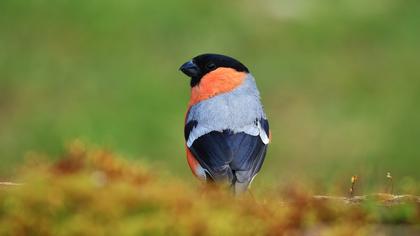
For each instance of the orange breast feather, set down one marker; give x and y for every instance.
(221, 80)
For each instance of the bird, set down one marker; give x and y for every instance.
(226, 129)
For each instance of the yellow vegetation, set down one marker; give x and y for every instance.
(95, 192)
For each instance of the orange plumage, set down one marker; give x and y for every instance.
(221, 80)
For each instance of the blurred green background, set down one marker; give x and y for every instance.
(340, 80)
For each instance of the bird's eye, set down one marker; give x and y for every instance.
(211, 66)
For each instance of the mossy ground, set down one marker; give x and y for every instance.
(96, 192)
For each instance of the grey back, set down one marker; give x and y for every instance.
(239, 111)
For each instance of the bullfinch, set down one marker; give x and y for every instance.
(226, 130)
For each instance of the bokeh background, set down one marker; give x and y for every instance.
(340, 81)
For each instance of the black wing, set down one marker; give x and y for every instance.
(232, 157)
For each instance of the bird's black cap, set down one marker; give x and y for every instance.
(205, 63)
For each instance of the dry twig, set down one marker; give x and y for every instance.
(10, 184)
(383, 198)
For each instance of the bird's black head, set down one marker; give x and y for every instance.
(205, 63)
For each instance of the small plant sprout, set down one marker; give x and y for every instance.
(390, 183)
(354, 179)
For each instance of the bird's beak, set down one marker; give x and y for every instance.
(190, 69)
